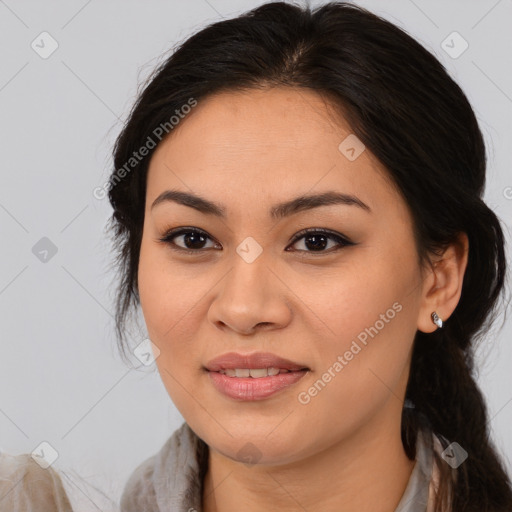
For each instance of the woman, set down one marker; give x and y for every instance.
(271, 118)
(298, 211)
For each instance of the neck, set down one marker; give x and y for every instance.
(368, 470)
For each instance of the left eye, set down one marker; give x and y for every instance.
(317, 239)
(193, 240)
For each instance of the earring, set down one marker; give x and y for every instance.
(437, 320)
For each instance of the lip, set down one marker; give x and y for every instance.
(233, 360)
(250, 389)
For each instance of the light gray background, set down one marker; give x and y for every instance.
(61, 379)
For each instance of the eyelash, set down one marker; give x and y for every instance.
(173, 233)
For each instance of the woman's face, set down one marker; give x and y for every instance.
(347, 313)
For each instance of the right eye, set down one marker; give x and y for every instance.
(193, 239)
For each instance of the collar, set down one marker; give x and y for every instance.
(172, 479)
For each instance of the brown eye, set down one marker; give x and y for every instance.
(317, 240)
(193, 240)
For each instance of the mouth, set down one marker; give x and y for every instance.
(253, 377)
(255, 373)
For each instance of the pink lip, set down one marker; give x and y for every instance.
(249, 388)
(234, 360)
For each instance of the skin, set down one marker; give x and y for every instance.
(248, 151)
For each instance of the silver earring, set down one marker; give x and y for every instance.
(437, 320)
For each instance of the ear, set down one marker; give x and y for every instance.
(442, 286)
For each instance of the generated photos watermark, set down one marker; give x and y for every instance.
(137, 156)
(304, 397)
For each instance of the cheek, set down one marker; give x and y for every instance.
(167, 314)
(165, 297)
(342, 303)
(171, 304)
(369, 322)
(361, 370)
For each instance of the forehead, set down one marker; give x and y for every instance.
(278, 142)
(254, 119)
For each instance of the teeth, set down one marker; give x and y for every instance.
(255, 373)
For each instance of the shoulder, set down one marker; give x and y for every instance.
(25, 485)
(138, 493)
(173, 472)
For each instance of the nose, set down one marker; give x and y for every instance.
(250, 297)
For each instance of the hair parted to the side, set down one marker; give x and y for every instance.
(406, 109)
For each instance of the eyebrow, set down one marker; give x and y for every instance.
(278, 211)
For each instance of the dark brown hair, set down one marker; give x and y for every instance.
(403, 105)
